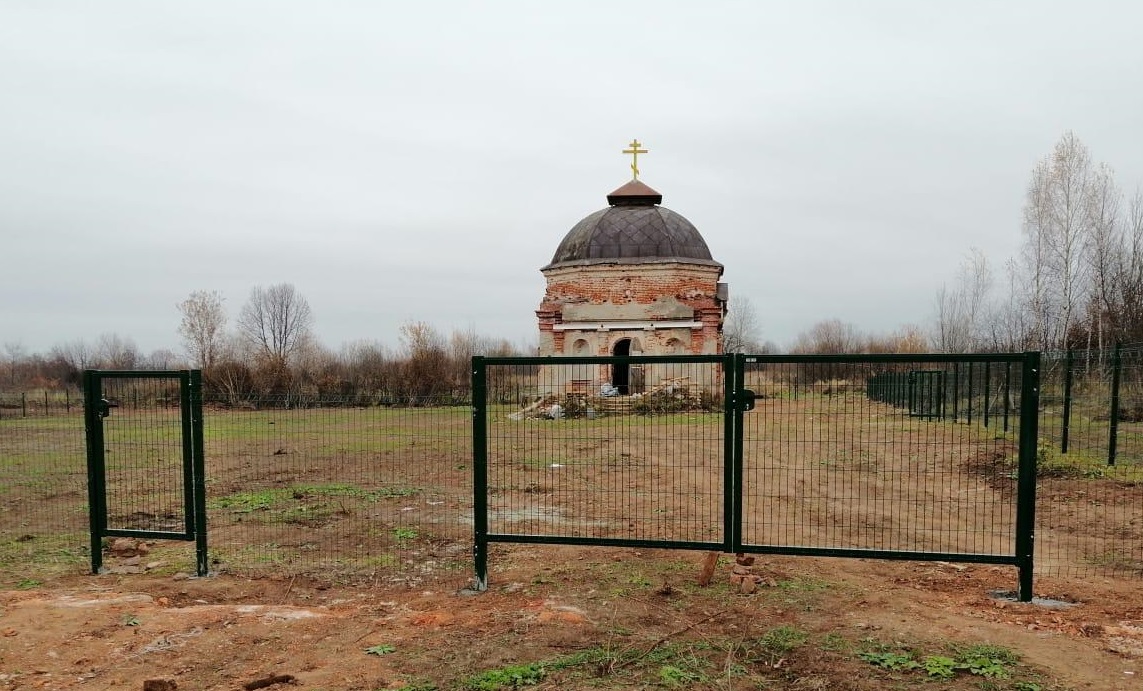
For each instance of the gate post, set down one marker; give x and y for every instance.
(198, 469)
(733, 381)
(96, 497)
(1026, 472)
(479, 473)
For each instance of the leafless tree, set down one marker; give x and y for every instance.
(830, 337)
(202, 327)
(1057, 228)
(116, 352)
(14, 350)
(1105, 254)
(741, 331)
(962, 309)
(276, 322)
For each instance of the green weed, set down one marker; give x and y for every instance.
(511, 677)
(382, 649)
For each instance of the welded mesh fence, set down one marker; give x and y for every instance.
(144, 455)
(43, 484)
(856, 454)
(341, 489)
(1090, 508)
(608, 451)
(384, 487)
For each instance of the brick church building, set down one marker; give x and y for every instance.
(634, 278)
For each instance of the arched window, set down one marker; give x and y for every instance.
(580, 347)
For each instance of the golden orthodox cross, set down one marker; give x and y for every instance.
(635, 151)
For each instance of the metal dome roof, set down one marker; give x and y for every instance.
(634, 230)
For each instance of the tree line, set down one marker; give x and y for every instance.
(1077, 281)
(271, 355)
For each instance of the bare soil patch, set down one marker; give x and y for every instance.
(563, 617)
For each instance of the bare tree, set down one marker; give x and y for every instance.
(15, 355)
(1057, 229)
(116, 352)
(830, 337)
(1131, 272)
(276, 322)
(1105, 254)
(961, 310)
(741, 332)
(202, 327)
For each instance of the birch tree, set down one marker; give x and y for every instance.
(202, 325)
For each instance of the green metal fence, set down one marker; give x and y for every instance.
(816, 467)
(382, 489)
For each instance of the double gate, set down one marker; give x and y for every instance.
(769, 454)
(145, 461)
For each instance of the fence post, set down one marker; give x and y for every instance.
(479, 473)
(198, 461)
(1113, 432)
(24, 405)
(1026, 473)
(1068, 361)
(96, 495)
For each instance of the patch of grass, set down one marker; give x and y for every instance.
(783, 639)
(1074, 465)
(405, 534)
(381, 649)
(510, 677)
(978, 660)
(28, 584)
(304, 504)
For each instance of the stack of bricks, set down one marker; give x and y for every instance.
(742, 575)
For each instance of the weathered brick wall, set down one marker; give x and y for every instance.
(633, 291)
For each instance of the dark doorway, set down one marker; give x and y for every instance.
(621, 372)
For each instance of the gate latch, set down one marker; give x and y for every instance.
(745, 400)
(105, 407)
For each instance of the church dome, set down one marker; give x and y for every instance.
(634, 229)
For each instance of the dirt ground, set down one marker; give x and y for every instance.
(566, 617)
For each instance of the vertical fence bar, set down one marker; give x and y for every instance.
(987, 391)
(67, 401)
(1026, 487)
(956, 392)
(24, 405)
(96, 498)
(1007, 393)
(1067, 425)
(199, 471)
(1113, 431)
(968, 405)
(479, 473)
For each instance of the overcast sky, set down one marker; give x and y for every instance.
(401, 161)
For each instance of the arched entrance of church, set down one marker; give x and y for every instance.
(621, 372)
